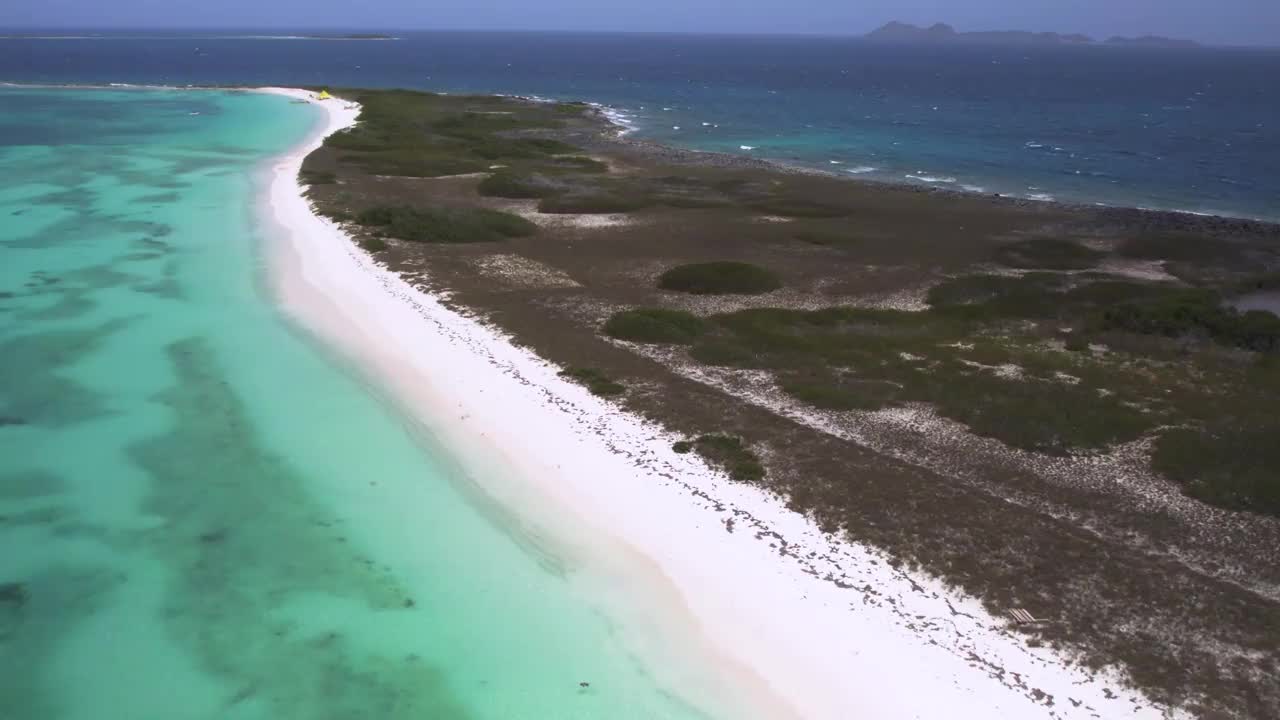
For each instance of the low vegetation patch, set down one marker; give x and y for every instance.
(1197, 314)
(1184, 247)
(720, 278)
(415, 134)
(1048, 254)
(513, 186)
(317, 177)
(595, 380)
(975, 360)
(860, 359)
(600, 203)
(655, 325)
(578, 163)
(571, 108)
(836, 390)
(1226, 463)
(445, 225)
(1203, 260)
(798, 208)
(727, 452)
(1259, 283)
(421, 163)
(1039, 295)
(825, 239)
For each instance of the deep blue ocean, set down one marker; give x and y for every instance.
(1197, 130)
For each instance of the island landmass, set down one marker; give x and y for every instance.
(1067, 412)
(941, 33)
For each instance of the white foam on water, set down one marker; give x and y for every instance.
(920, 176)
(624, 120)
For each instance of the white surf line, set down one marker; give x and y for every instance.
(828, 626)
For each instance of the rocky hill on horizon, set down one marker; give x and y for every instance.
(939, 33)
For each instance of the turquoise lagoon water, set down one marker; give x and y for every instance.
(201, 514)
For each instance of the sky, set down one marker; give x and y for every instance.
(1233, 22)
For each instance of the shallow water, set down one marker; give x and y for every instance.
(203, 515)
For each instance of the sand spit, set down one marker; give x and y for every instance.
(774, 615)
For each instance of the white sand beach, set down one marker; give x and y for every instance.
(753, 606)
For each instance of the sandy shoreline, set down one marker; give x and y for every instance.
(771, 614)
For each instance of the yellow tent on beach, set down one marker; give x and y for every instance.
(324, 95)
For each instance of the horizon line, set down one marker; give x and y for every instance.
(68, 32)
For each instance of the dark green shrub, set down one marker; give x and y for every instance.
(1045, 417)
(1197, 313)
(415, 135)
(578, 163)
(571, 108)
(417, 163)
(720, 278)
(317, 177)
(595, 380)
(500, 148)
(1260, 283)
(513, 186)
(655, 325)
(1037, 295)
(1048, 253)
(724, 353)
(360, 137)
(823, 389)
(1184, 247)
(689, 201)
(729, 452)
(798, 207)
(1075, 342)
(374, 244)
(825, 239)
(445, 225)
(1031, 295)
(1233, 465)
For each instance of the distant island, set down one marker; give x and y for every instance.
(941, 33)
(351, 36)
(343, 36)
(1153, 41)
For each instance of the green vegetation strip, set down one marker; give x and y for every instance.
(445, 225)
(1048, 254)
(317, 177)
(595, 380)
(728, 452)
(973, 357)
(416, 134)
(720, 278)
(513, 186)
(656, 325)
